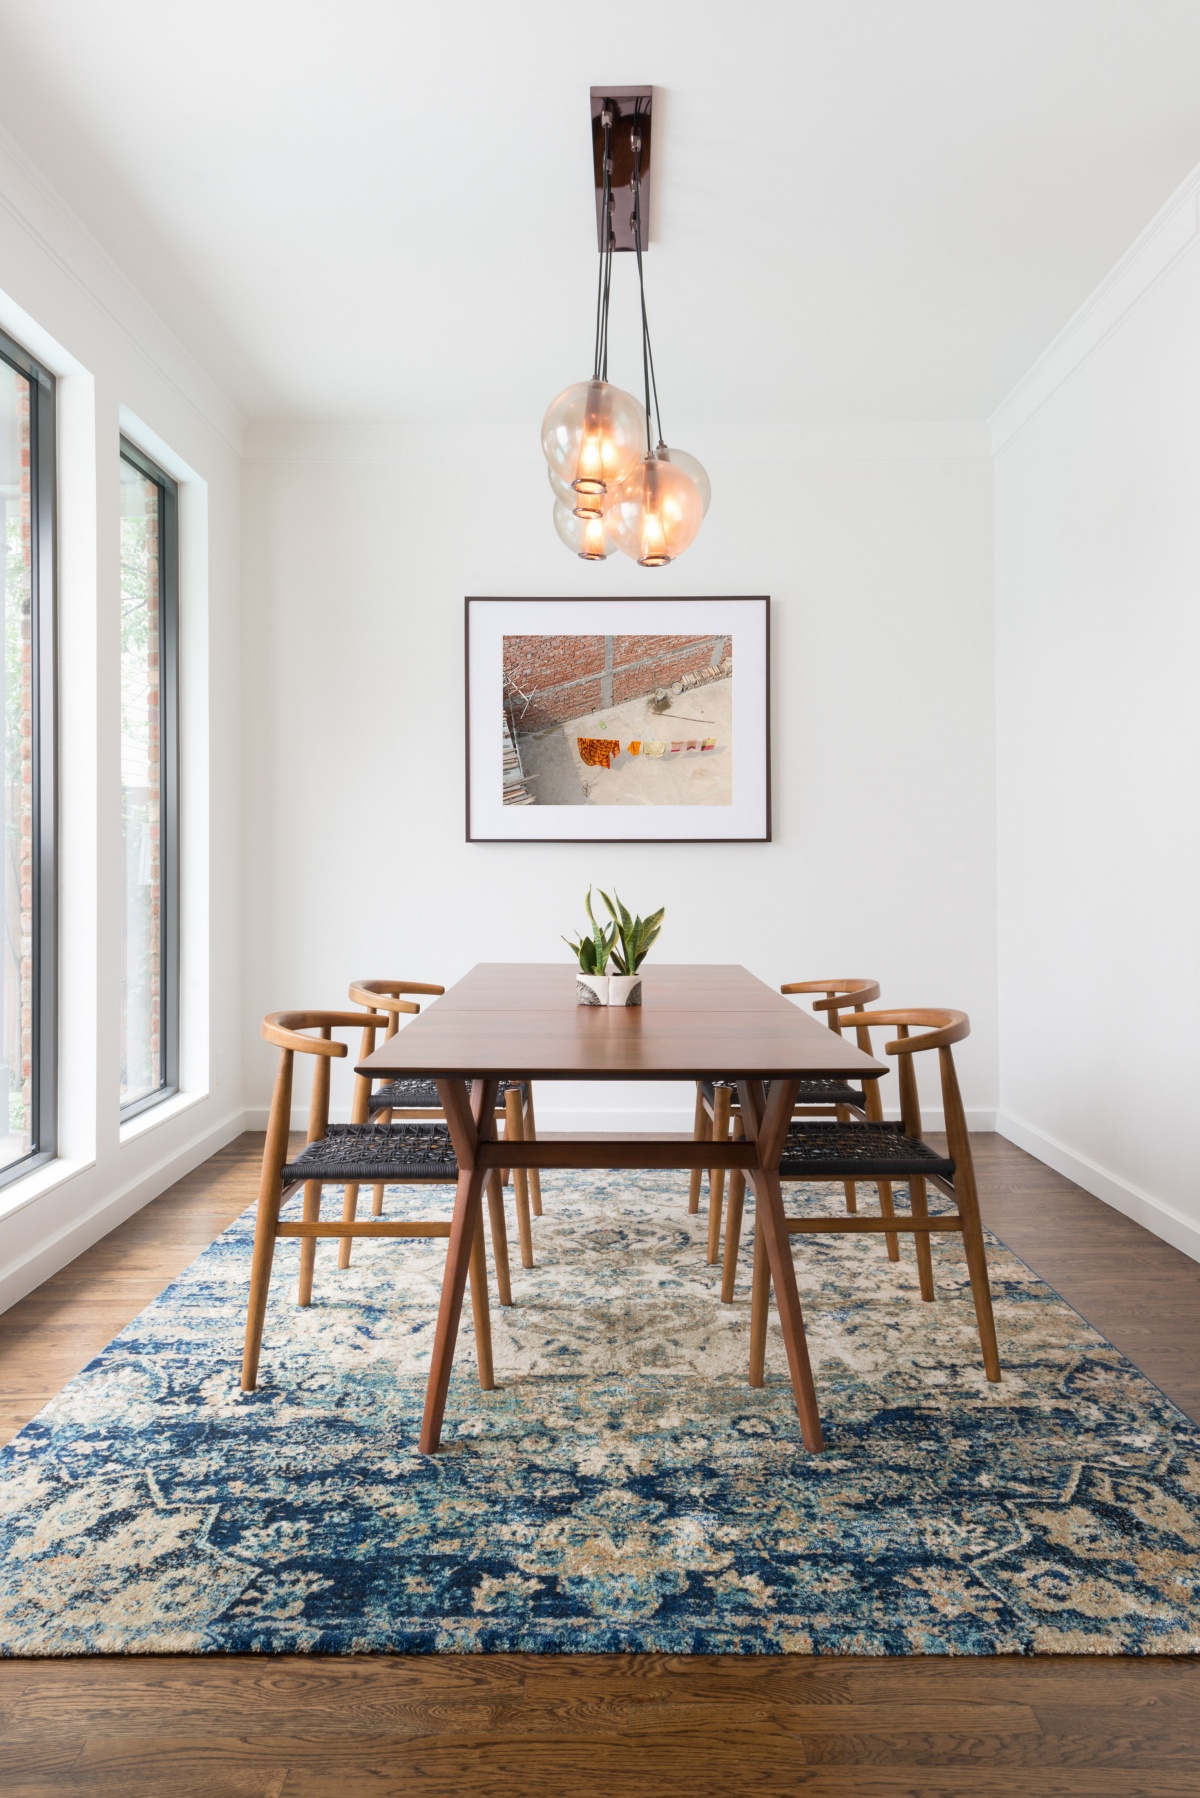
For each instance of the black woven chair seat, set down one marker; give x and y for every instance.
(820, 1151)
(812, 1092)
(372, 1152)
(419, 1095)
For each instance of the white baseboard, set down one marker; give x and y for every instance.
(62, 1246)
(1153, 1214)
(601, 1119)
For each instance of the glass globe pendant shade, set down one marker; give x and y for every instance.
(681, 459)
(585, 537)
(593, 434)
(654, 513)
(584, 505)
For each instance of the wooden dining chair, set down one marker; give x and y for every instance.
(718, 1114)
(344, 1154)
(418, 1100)
(879, 1151)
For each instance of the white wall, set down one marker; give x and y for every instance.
(1098, 580)
(876, 546)
(120, 368)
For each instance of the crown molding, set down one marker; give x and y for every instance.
(1168, 238)
(61, 236)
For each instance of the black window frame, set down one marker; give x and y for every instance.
(43, 600)
(168, 776)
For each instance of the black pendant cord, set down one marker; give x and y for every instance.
(648, 376)
(606, 266)
(604, 280)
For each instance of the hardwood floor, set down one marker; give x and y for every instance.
(474, 1726)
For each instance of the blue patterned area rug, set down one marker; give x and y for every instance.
(624, 1488)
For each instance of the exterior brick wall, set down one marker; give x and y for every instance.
(549, 680)
(541, 662)
(633, 682)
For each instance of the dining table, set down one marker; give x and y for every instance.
(522, 1021)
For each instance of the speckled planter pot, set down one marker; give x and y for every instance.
(591, 989)
(624, 989)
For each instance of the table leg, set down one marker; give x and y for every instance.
(722, 1101)
(701, 1132)
(766, 1120)
(514, 1132)
(480, 1307)
(495, 1193)
(535, 1178)
(469, 1126)
(760, 1306)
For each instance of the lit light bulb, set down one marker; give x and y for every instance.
(596, 542)
(654, 540)
(593, 434)
(585, 537)
(654, 513)
(584, 505)
(681, 459)
(589, 472)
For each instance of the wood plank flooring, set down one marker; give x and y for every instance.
(620, 1726)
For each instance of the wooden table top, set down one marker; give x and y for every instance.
(550, 986)
(521, 1020)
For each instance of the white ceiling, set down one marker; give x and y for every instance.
(864, 210)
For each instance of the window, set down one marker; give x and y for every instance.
(149, 784)
(27, 951)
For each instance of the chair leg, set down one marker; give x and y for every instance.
(381, 1118)
(976, 1253)
(733, 1233)
(916, 1193)
(513, 1133)
(349, 1212)
(535, 1178)
(477, 1275)
(888, 1209)
(308, 1244)
(843, 1117)
(760, 1300)
(260, 1280)
(701, 1132)
(722, 1100)
(495, 1199)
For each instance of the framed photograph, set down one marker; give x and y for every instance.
(618, 720)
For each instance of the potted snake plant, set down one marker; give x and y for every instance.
(633, 937)
(592, 952)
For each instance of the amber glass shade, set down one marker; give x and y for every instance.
(681, 459)
(586, 537)
(654, 513)
(592, 434)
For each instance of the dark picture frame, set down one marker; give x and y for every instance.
(501, 798)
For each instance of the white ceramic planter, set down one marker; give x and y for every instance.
(624, 989)
(591, 989)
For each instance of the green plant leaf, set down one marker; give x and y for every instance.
(627, 938)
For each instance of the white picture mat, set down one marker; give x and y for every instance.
(489, 621)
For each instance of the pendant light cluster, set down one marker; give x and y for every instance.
(614, 487)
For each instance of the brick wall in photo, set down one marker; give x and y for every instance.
(549, 680)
